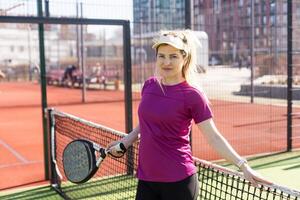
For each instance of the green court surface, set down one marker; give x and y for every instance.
(120, 187)
(43, 192)
(282, 168)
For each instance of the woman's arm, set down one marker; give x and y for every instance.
(221, 145)
(218, 142)
(128, 140)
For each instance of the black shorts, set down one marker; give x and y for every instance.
(186, 189)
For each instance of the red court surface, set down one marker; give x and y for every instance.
(250, 128)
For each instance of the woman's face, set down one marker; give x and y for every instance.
(170, 62)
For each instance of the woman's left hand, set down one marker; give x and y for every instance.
(253, 177)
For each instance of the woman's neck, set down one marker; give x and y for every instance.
(166, 81)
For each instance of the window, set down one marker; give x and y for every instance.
(94, 51)
(201, 19)
(257, 43)
(249, 21)
(217, 5)
(263, 8)
(298, 12)
(264, 42)
(272, 20)
(264, 20)
(285, 7)
(248, 11)
(273, 8)
(265, 30)
(257, 31)
(257, 18)
(284, 19)
(241, 3)
(111, 51)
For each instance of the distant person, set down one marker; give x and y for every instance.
(100, 75)
(2, 75)
(240, 63)
(34, 72)
(248, 61)
(10, 74)
(69, 75)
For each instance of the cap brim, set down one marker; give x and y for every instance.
(168, 43)
(172, 41)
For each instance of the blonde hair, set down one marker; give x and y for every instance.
(189, 52)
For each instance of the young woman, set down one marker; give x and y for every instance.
(170, 101)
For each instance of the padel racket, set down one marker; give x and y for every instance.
(80, 159)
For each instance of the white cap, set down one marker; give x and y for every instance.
(172, 40)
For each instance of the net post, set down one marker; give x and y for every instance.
(54, 177)
(51, 139)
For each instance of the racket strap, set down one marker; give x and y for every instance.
(102, 156)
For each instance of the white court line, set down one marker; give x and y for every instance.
(19, 156)
(19, 164)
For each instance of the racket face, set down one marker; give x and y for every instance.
(78, 161)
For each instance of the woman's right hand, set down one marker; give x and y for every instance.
(116, 149)
(253, 177)
(119, 147)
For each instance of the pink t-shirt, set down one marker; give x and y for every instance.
(165, 118)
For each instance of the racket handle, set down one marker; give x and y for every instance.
(121, 148)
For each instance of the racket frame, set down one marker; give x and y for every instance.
(94, 163)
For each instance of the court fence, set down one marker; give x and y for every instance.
(256, 40)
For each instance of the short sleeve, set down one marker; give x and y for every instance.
(198, 106)
(146, 84)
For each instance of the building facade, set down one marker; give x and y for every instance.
(228, 24)
(22, 57)
(153, 15)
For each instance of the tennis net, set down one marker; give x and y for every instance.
(220, 183)
(116, 177)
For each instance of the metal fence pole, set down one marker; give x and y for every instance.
(188, 14)
(189, 25)
(43, 87)
(82, 57)
(128, 91)
(252, 51)
(289, 73)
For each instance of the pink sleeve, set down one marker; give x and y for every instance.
(146, 84)
(199, 107)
